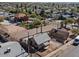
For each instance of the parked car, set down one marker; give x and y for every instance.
(76, 41)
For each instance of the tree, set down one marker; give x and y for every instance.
(33, 15)
(23, 24)
(17, 7)
(75, 31)
(29, 11)
(39, 17)
(77, 21)
(13, 11)
(36, 23)
(68, 21)
(42, 13)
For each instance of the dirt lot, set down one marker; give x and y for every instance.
(52, 46)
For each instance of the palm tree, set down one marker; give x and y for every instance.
(68, 21)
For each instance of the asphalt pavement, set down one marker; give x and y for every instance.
(73, 51)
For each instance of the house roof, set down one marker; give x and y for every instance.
(20, 15)
(5, 22)
(41, 38)
(60, 34)
(15, 49)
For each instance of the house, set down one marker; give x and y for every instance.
(48, 11)
(5, 14)
(60, 35)
(21, 17)
(38, 11)
(12, 49)
(1, 13)
(14, 33)
(66, 16)
(75, 26)
(40, 41)
(5, 22)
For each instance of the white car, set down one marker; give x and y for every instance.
(76, 41)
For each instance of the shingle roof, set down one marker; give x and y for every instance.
(59, 34)
(41, 38)
(20, 15)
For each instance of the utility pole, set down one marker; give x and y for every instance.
(36, 30)
(41, 27)
(29, 47)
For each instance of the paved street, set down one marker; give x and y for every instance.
(72, 51)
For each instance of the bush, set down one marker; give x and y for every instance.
(36, 22)
(1, 19)
(75, 31)
(25, 25)
(33, 15)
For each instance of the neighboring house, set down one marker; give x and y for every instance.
(5, 22)
(38, 11)
(5, 14)
(14, 33)
(60, 35)
(40, 41)
(12, 49)
(48, 11)
(49, 19)
(66, 16)
(75, 26)
(1, 13)
(21, 17)
(55, 16)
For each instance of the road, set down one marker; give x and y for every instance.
(72, 51)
